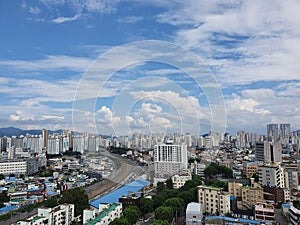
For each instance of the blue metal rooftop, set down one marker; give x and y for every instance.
(6, 209)
(114, 196)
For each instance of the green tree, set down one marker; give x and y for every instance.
(160, 222)
(146, 205)
(132, 214)
(164, 213)
(1, 176)
(211, 170)
(169, 183)
(160, 186)
(78, 197)
(177, 204)
(120, 221)
(157, 200)
(51, 202)
(187, 197)
(4, 197)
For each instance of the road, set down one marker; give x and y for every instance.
(124, 171)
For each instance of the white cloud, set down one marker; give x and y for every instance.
(65, 19)
(51, 62)
(130, 19)
(262, 35)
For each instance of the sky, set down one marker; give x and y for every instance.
(140, 66)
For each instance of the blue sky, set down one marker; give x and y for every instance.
(250, 50)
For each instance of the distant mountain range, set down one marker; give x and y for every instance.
(13, 131)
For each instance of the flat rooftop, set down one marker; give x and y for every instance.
(114, 196)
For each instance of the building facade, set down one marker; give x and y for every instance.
(194, 214)
(170, 159)
(213, 200)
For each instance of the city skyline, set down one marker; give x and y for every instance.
(249, 47)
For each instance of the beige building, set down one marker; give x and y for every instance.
(213, 200)
(247, 195)
(250, 168)
(179, 180)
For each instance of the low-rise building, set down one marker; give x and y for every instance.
(194, 214)
(213, 200)
(107, 214)
(250, 168)
(294, 215)
(264, 211)
(179, 180)
(62, 214)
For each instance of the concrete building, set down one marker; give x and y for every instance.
(213, 200)
(55, 145)
(107, 214)
(247, 195)
(264, 211)
(179, 180)
(170, 159)
(62, 215)
(269, 152)
(294, 215)
(250, 168)
(199, 169)
(194, 214)
(252, 194)
(27, 166)
(271, 176)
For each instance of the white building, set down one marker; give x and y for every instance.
(13, 167)
(179, 180)
(213, 200)
(107, 214)
(170, 159)
(271, 176)
(264, 211)
(194, 214)
(294, 215)
(55, 145)
(61, 214)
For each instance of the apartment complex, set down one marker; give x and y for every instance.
(170, 159)
(26, 166)
(61, 214)
(107, 214)
(250, 168)
(272, 175)
(213, 200)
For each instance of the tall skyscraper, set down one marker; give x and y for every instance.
(45, 138)
(285, 129)
(272, 130)
(170, 159)
(268, 152)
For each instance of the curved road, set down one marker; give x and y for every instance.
(124, 171)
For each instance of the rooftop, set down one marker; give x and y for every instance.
(114, 196)
(103, 214)
(210, 187)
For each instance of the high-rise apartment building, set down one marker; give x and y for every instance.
(272, 176)
(269, 152)
(170, 159)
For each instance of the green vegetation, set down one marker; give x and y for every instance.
(146, 205)
(51, 202)
(213, 169)
(78, 197)
(132, 214)
(164, 213)
(119, 150)
(160, 222)
(120, 221)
